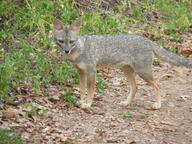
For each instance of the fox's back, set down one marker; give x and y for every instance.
(118, 48)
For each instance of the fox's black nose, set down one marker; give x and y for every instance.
(67, 51)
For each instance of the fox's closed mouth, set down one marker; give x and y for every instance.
(67, 51)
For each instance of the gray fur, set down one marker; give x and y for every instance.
(123, 49)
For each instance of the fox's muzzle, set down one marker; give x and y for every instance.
(67, 51)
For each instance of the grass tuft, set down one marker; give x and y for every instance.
(7, 138)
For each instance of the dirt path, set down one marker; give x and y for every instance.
(107, 121)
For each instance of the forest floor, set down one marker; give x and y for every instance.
(53, 122)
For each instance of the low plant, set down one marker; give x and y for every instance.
(68, 97)
(6, 137)
(100, 85)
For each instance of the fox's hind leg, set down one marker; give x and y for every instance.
(146, 74)
(157, 104)
(130, 74)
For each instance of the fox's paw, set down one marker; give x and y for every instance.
(156, 106)
(85, 105)
(124, 103)
(79, 103)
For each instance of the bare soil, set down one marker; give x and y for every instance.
(107, 122)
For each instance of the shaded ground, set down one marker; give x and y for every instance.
(107, 122)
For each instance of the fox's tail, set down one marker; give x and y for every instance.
(171, 57)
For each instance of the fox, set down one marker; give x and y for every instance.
(132, 54)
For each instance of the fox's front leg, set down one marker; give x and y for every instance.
(91, 80)
(82, 79)
(86, 77)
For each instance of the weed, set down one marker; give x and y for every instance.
(92, 23)
(68, 13)
(178, 14)
(69, 99)
(6, 73)
(129, 115)
(143, 116)
(100, 85)
(174, 49)
(7, 138)
(44, 113)
(137, 12)
(35, 111)
(64, 73)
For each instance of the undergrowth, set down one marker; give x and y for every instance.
(69, 99)
(7, 138)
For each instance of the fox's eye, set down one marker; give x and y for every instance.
(61, 41)
(71, 41)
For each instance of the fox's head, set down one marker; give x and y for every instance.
(66, 36)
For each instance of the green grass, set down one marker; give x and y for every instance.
(68, 97)
(128, 115)
(179, 15)
(35, 111)
(137, 116)
(7, 138)
(100, 85)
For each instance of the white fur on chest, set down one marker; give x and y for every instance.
(82, 65)
(74, 56)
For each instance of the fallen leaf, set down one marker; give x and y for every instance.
(10, 113)
(186, 52)
(168, 123)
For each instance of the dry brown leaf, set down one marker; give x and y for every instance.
(186, 52)
(167, 76)
(168, 123)
(10, 113)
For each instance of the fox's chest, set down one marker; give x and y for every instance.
(81, 65)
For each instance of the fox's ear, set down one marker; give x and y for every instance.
(75, 27)
(57, 25)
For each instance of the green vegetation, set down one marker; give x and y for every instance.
(28, 57)
(7, 138)
(100, 85)
(68, 97)
(128, 115)
(137, 116)
(35, 111)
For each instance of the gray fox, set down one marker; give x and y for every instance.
(132, 54)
